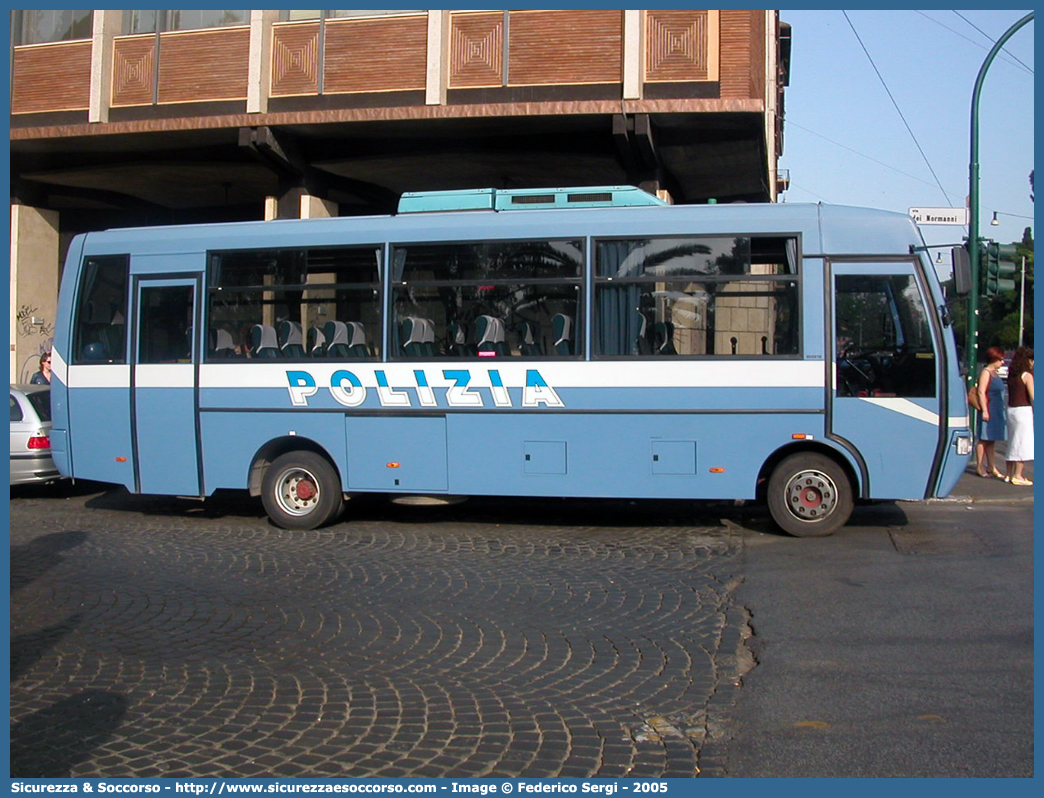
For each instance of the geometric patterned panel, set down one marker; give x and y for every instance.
(371, 55)
(476, 50)
(191, 72)
(52, 77)
(133, 69)
(565, 47)
(676, 46)
(295, 59)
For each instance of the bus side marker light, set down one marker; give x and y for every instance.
(717, 470)
(393, 465)
(801, 436)
(121, 459)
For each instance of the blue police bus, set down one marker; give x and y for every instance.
(587, 342)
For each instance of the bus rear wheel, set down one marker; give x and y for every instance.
(809, 495)
(300, 490)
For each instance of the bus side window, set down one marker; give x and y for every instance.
(99, 328)
(487, 299)
(298, 302)
(165, 331)
(883, 341)
(696, 296)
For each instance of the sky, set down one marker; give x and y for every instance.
(889, 126)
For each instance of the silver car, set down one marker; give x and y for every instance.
(30, 435)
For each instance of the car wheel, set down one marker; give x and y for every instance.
(301, 490)
(809, 495)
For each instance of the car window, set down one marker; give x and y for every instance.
(16, 409)
(41, 402)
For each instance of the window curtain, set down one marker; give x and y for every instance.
(617, 319)
(792, 256)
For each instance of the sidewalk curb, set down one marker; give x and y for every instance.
(975, 500)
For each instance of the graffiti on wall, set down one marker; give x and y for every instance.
(31, 324)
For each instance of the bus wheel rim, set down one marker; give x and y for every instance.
(811, 495)
(297, 492)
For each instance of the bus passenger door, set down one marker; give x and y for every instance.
(885, 394)
(165, 380)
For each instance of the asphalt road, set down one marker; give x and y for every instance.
(902, 647)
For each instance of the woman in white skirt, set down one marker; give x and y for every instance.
(1020, 415)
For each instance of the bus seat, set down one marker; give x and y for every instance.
(94, 351)
(291, 341)
(316, 343)
(114, 339)
(221, 344)
(483, 333)
(490, 333)
(263, 342)
(95, 317)
(501, 339)
(428, 338)
(357, 339)
(642, 339)
(98, 312)
(412, 333)
(528, 340)
(336, 334)
(562, 329)
(663, 338)
(457, 340)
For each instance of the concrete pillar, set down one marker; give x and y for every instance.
(34, 287)
(260, 66)
(285, 206)
(297, 204)
(317, 208)
(714, 45)
(437, 79)
(633, 54)
(107, 26)
(771, 100)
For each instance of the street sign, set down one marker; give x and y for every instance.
(940, 215)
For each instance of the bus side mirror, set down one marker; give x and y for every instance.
(961, 270)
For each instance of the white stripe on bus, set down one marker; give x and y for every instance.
(904, 407)
(165, 375)
(99, 376)
(609, 374)
(601, 374)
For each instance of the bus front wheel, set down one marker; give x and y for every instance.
(809, 495)
(300, 490)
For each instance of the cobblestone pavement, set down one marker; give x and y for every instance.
(156, 637)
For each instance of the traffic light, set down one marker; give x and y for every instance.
(998, 267)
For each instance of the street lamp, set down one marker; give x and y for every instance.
(973, 199)
(995, 222)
